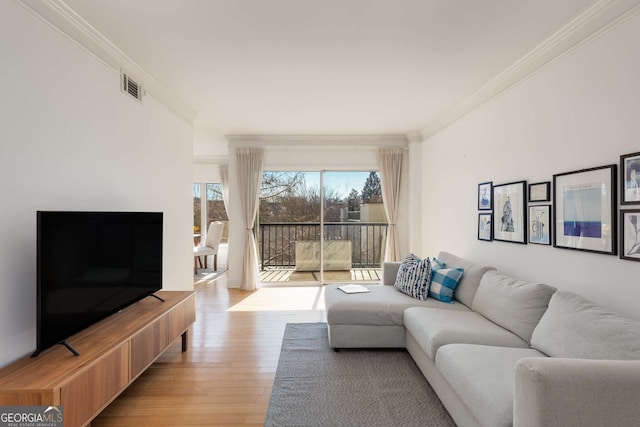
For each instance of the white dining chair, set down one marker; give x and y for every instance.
(209, 246)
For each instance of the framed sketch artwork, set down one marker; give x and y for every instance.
(630, 235)
(509, 221)
(630, 179)
(540, 224)
(484, 196)
(485, 227)
(583, 209)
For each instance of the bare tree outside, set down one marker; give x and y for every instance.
(333, 203)
(281, 184)
(214, 204)
(354, 200)
(216, 210)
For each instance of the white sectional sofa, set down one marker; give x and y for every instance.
(505, 352)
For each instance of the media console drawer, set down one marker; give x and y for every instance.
(113, 353)
(148, 344)
(91, 390)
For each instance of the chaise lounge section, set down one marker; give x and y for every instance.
(505, 352)
(376, 319)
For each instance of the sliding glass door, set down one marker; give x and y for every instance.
(306, 217)
(354, 227)
(289, 228)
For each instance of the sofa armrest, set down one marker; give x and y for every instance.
(576, 392)
(389, 272)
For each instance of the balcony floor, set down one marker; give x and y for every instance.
(283, 275)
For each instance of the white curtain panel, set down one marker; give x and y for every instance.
(249, 163)
(224, 183)
(390, 164)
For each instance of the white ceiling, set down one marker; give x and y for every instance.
(319, 67)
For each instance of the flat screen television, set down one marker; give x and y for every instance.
(91, 265)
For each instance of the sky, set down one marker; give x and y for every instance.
(342, 182)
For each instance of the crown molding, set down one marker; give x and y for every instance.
(415, 136)
(596, 20)
(65, 20)
(311, 141)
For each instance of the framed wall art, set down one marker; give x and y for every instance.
(540, 224)
(540, 192)
(630, 234)
(630, 179)
(485, 226)
(484, 196)
(509, 220)
(583, 210)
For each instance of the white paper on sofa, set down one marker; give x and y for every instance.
(353, 289)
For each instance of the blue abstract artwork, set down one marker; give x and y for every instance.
(583, 211)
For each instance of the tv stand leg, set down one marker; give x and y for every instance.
(157, 297)
(69, 347)
(185, 341)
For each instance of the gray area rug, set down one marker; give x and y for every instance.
(316, 386)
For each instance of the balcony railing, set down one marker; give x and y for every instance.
(278, 241)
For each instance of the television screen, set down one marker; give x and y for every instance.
(91, 265)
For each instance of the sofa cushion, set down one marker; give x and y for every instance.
(432, 328)
(390, 272)
(469, 282)
(382, 306)
(444, 282)
(577, 328)
(414, 276)
(483, 378)
(513, 304)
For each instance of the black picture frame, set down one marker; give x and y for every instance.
(540, 192)
(510, 215)
(485, 199)
(630, 179)
(584, 210)
(485, 226)
(540, 224)
(630, 234)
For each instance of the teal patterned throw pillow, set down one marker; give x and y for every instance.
(444, 281)
(414, 276)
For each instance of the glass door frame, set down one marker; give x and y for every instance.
(321, 279)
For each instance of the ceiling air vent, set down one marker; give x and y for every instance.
(131, 87)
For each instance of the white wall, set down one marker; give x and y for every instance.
(581, 111)
(72, 141)
(209, 152)
(208, 142)
(413, 166)
(316, 157)
(206, 172)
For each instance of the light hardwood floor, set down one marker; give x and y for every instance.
(225, 377)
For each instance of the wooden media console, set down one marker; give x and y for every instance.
(113, 353)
